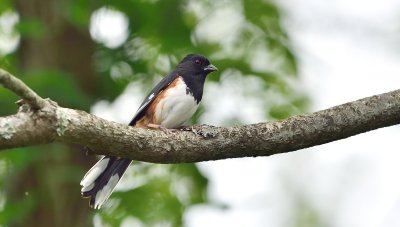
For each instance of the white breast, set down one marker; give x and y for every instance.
(177, 106)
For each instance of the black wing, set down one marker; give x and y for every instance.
(152, 95)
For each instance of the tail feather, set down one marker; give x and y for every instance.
(100, 181)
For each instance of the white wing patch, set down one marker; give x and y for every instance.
(149, 100)
(143, 106)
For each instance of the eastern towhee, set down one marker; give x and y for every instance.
(170, 103)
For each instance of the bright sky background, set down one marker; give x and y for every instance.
(347, 49)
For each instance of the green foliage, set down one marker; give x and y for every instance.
(32, 28)
(158, 31)
(14, 161)
(162, 198)
(7, 107)
(78, 12)
(169, 29)
(158, 22)
(56, 84)
(266, 16)
(17, 210)
(5, 5)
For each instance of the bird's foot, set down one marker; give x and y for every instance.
(162, 128)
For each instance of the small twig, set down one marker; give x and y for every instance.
(22, 90)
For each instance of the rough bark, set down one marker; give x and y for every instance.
(55, 123)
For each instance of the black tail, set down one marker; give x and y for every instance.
(100, 181)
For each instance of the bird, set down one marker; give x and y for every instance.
(167, 107)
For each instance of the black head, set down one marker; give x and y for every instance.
(194, 69)
(196, 65)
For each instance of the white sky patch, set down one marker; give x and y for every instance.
(230, 100)
(262, 61)
(348, 57)
(132, 222)
(9, 38)
(120, 70)
(163, 64)
(216, 28)
(109, 27)
(123, 108)
(346, 52)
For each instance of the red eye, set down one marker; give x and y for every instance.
(197, 61)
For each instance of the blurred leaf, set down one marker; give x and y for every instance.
(263, 14)
(266, 15)
(306, 215)
(196, 184)
(17, 160)
(8, 62)
(5, 5)
(160, 22)
(17, 211)
(78, 12)
(163, 198)
(7, 102)
(56, 84)
(301, 103)
(31, 28)
(280, 112)
(8, 98)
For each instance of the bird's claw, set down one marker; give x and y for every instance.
(162, 128)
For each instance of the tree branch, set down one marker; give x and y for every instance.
(54, 123)
(23, 91)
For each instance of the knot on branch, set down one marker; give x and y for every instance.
(205, 131)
